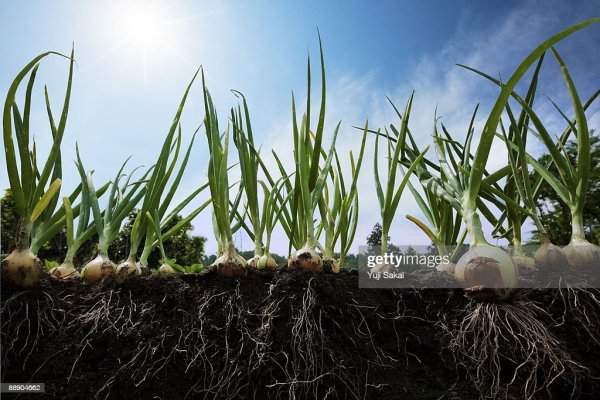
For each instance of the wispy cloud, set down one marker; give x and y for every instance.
(437, 82)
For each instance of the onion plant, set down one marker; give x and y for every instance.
(249, 163)
(121, 201)
(443, 225)
(151, 238)
(390, 199)
(519, 178)
(449, 182)
(548, 256)
(339, 215)
(85, 229)
(309, 197)
(571, 182)
(34, 191)
(271, 212)
(273, 202)
(153, 196)
(486, 266)
(67, 270)
(310, 177)
(157, 226)
(229, 264)
(164, 269)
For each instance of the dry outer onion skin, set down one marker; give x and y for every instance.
(97, 269)
(305, 259)
(490, 270)
(64, 271)
(22, 268)
(231, 267)
(583, 255)
(550, 257)
(266, 262)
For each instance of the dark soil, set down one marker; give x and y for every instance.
(275, 335)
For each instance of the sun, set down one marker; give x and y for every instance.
(143, 27)
(142, 34)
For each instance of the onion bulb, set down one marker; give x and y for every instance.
(22, 268)
(583, 255)
(64, 271)
(165, 270)
(266, 262)
(231, 266)
(487, 269)
(331, 264)
(97, 269)
(550, 257)
(253, 262)
(127, 270)
(523, 262)
(448, 267)
(306, 259)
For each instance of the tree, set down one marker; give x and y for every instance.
(185, 249)
(9, 223)
(374, 241)
(555, 214)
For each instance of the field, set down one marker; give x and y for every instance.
(279, 335)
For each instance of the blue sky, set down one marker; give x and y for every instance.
(131, 73)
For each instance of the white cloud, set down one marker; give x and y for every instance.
(437, 82)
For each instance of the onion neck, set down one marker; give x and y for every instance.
(103, 245)
(542, 232)
(132, 259)
(384, 241)
(473, 222)
(441, 248)
(578, 232)
(230, 249)
(70, 256)
(311, 241)
(24, 233)
(145, 255)
(258, 246)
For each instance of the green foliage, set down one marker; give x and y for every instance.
(48, 264)
(53, 250)
(555, 214)
(185, 269)
(185, 249)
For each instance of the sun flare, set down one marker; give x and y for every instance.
(143, 28)
(142, 34)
